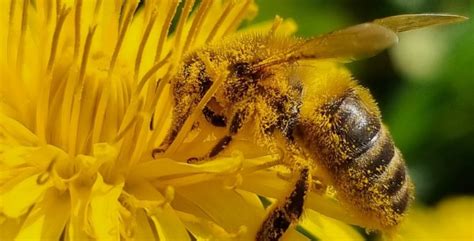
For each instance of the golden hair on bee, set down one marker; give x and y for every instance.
(293, 94)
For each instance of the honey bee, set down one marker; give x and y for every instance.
(293, 93)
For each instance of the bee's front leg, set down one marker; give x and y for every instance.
(238, 119)
(214, 118)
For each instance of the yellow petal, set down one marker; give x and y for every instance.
(23, 195)
(14, 156)
(104, 210)
(329, 207)
(328, 229)
(13, 132)
(204, 229)
(47, 219)
(168, 225)
(287, 27)
(143, 190)
(9, 227)
(269, 184)
(293, 235)
(266, 183)
(77, 228)
(143, 230)
(228, 208)
(168, 168)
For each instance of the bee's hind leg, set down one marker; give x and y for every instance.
(287, 211)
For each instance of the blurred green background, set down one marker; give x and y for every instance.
(424, 86)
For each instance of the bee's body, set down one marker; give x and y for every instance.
(269, 94)
(264, 85)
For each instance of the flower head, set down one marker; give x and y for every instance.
(84, 100)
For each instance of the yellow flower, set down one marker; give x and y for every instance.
(451, 220)
(84, 99)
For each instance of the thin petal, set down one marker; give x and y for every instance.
(287, 27)
(329, 207)
(15, 133)
(234, 211)
(22, 196)
(204, 229)
(292, 235)
(266, 183)
(77, 228)
(161, 214)
(104, 210)
(169, 169)
(269, 184)
(168, 225)
(9, 227)
(11, 156)
(143, 190)
(143, 230)
(47, 219)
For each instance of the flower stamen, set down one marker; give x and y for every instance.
(76, 108)
(98, 4)
(42, 110)
(128, 19)
(11, 22)
(165, 29)
(235, 23)
(128, 126)
(77, 28)
(182, 20)
(190, 120)
(21, 44)
(197, 24)
(217, 231)
(141, 47)
(104, 96)
(276, 24)
(217, 26)
(63, 12)
(233, 182)
(150, 73)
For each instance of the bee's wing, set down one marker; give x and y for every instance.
(367, 39)
(406, 22)
(355, 42)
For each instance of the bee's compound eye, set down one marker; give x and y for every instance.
(357, 125)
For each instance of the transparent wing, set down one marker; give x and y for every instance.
(406, 22)
(363, 40)
(355, 42)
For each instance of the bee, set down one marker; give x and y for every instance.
(293, 93)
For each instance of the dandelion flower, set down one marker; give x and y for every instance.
(84, 100)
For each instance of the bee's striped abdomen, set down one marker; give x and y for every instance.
(359, 156)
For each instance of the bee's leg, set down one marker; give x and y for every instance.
(286, 212)
(237, 121)
(213, 118)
